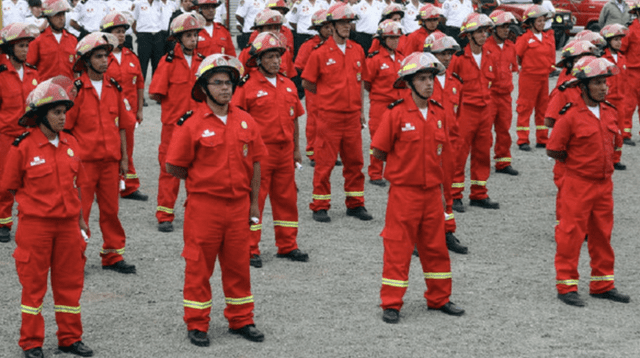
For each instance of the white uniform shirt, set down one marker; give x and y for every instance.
(409, 22)
(67, 25)
(14, 12)
(248, 9)
(168, 8)
(301, 14)
(148, 16)
(221, 14)
(122, 6)
(547, 5)
(456, 12)
(30, 19)
(90, 14)
(369, 15)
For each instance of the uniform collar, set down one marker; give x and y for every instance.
(334, 46)
(86, 81)
(263, 79)
(42, 140)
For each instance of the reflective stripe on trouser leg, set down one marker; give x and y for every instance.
(376, 166)
(501, 115)
(132, 183)
(168, 185)
(449, 222)
(542, 102)
(535, 97)
(475, 139)
(6, 199)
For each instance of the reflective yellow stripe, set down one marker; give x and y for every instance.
(5, 221)
(448, 216)
(165, 209)
(479, 182)
(31, 310)
(602, 278)
(238, 301)
(196, 305)
(394, 283)
(370, 151)
(457, 185)
(354, 193)
(437, 275)
(567, 282)
(321, 197)
(131, 176)
(541, 128)
(627, 130)
(255, 227)
(309, 152)
(112, 251)
(522, 128)
(503, 160)
(557, 222)
(67, 309)
(618, 149)
(285, 223)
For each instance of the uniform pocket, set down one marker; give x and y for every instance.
(191, 253)
(39, 171)
(21, 255)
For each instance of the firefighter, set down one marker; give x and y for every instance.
(413, 140)
(394, 12)
(124, 67)
(17, 80)
(272, 100)
(301, 20)
(170, 86)
(334, 72)
(536, 51)
(53, 52)
(217, 151)
(213, 38)
(43, 170)
(584, 138)
(631, 49)
(98, 122)
(429, 17)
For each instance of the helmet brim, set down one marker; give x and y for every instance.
(30, 116)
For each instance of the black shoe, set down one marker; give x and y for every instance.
(619, 166)
(415, 252)
(458, 205)
(450, 308)
(360, 212)
(312, 163)
(338, 163)
(507, 170)
(5, 234)
(485, 203)
(391, 315)
(321, 216)
(144, 103)
(541, 145)
(198, 338)
(612, 295)
(137, 195)
(525, 147)
(295, 255)
(249, 332)
(572, 299)
(629, 141)
(453, 244)
(34, 353)
(78, 349)
(255, 261)
(378, 182)
(121, 267)
(165, 226)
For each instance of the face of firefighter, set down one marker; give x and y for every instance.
(445, 57)
(20, 50)
(326, 30)
(615, 43)
(479, 37)
(598, 88)
(274, 29)
(208, 11)
(220, 87)
(423, 84)
(342, 28)
(56, 117)
(120, 33)
(396, 17)
(431, 24)
(186, 5)
(502, 32)
(58, 21)
(392, 42)
(99, 61)
(189, 40)
(270, 63)
(538, 24)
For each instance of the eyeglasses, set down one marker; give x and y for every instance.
(218, 83)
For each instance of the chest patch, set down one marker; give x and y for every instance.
(384, 66)
(37, 161)
(408, 127)
(261, 93)
(331, 62)
(207, 133)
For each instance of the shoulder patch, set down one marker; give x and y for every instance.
(31, 66)
(457, 77)
(436, 103)
(202, 57)
(564, 85)
(318, 45)
(3, 68)
(78, 84)
(373, 54)
(395, 103)
(565, 108)
(115, 83)
(243, 80)
(184, 117)
(20, 138)
(169, 57)
(68, 131)
(610, 104)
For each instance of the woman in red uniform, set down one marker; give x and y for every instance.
(43, 171)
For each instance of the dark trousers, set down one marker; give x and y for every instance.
(128, 42)
(364, 39)
(455, 33)
(298, 40)
(243, 41)
(150, 47)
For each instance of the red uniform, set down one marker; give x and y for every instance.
(96, 124)
(618, 94)
(219, 159)
(12, 104)
(537, 59)
(219, 42)
(128, 73)
(312, 110)
(338, 79)
(375, 45)
(286, 63)
(53, 58)
(48, 237)
(415, 41)
(587, 201)
(631, 49)
(474, 123)
(275, 110)
(382, 72)
(416, 149)
(173, 80)
(501, 109)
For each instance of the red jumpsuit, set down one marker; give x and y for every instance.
(501, 109)
(286, 63)
(275, 110)
(12, 105)
(312, 111)
(587, 200)
(474, 123)
(618, 93)
(382, 72)
(219, 159)
(338, 79)
(416, 148)
(631, 49)
(53, 58)
(537, 59)
(173, 80)
(45, 179)
(96, 124)
(220, 42)
(128, 73)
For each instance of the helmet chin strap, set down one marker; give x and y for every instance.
(338, 33)
(53, 27)
(413, 88)
(12, 54)
(588, 91)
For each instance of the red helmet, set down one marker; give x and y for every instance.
(18, 31)
(318, 19)
(341, 11)
(112, 20)
(634, 6)
(500, 18)
(593, 37)
(574, 49)
(475, 21)
(90, 43)
(216, 62)
(418, 62)
(185, 22)
(388, 28)
(429, 11)
(438, 42)
(264, 42)
(614, 30)
(591, 67)
(267, 17)
(391, 9)
(278, 5)
(534, 12)
(50, 92)
(54, 7)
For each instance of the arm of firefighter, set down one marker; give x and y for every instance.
(124, 161)
(176, 171)
(297, 157)
(363, 119)
(367, 86)
(254, 211)
(309, 86)
(560, 155)
(140, 105)
(378, 154)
